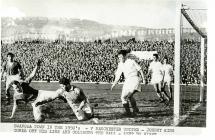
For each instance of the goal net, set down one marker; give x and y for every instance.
(190, 65)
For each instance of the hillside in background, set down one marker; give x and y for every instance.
(55, 26)
(13, 29)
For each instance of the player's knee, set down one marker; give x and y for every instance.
(124, 99)
(85, 116)
(81, 116)
(40, 118)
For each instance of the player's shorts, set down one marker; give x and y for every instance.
(131, 84)
(85, 113)
(167, 79)
(156, 79)
(11, 78)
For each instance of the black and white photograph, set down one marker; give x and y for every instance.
(108, 64)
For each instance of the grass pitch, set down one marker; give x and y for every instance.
(109, 109)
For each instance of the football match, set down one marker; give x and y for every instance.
(86, 70)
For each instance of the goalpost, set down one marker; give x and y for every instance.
(181, 12)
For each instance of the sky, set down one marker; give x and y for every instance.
(144, 13)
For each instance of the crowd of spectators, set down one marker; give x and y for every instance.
(97, 61)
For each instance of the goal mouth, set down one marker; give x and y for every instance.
(190, 63)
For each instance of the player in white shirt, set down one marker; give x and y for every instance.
(157, 77)
(168, 73)
(130, 69)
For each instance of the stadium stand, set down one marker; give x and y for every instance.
(96, 61)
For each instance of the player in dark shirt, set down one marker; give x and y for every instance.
(77, 100)
(12, 70)
(23, 92)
